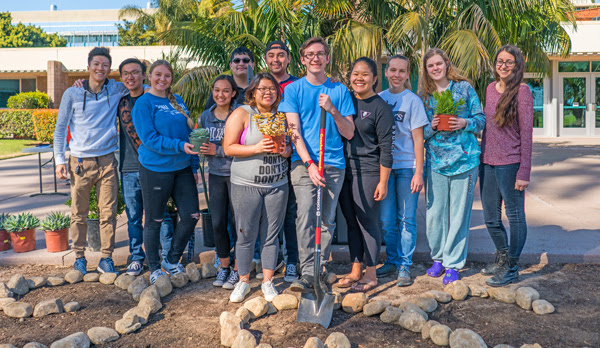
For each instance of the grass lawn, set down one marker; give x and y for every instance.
(10, 148)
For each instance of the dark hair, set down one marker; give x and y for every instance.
(99, 51)
(234, 88)
(404, 58)
(372, 66)
(132, 61)
(254, 84)
(507, 109)
(426, 84)
(314, 40)
(241, 51)
(170, 94)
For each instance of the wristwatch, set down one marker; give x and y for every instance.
(308, 163)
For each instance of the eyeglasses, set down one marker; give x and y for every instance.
(126, 74)
(508, 63)
(238, 60)
(311, 55)
(264, 90)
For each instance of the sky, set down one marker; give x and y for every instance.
(44, 5)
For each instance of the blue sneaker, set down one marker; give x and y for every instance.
(404, 276)
(80, 265)
(388, 269)
(154, 275)
(172, 268)
(106, 265)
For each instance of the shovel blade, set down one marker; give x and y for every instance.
(311, 311)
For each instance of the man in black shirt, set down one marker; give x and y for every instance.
(240, 59)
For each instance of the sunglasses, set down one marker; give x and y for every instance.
(238, 60)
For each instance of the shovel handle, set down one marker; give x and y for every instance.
(321, 165)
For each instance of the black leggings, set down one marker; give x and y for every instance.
(220, 209)
(157, 187)
(362, 216)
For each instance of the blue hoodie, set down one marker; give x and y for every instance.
(163, 131)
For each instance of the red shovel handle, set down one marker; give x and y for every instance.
(321, 165)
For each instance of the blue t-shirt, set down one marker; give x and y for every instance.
(163, 131)
(302, 98)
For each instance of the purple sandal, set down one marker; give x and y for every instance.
(451, 276)
(436, 270)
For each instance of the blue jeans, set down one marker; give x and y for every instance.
(398, 216)
(497, 185)
(134, 208)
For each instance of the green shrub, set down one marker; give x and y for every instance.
(18, 123)
(3, 218)
(21, 222)
(55, 221)
(29, 100)
(44, 121)
(94, 210)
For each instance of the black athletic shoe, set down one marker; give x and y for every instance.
(304, 284)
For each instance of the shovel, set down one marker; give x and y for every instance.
(317, 307)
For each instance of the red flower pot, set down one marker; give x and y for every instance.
(23, 241)
(4, 240)
(444, 125)
(57, 240)
(277, 140)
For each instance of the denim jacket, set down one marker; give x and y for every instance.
(453, 153)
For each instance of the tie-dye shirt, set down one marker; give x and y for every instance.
(453, 153)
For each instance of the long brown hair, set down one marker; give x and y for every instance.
(507, 109)
(427, 85)
(168, 91)
(251, 90)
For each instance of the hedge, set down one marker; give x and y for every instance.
(29, 100)
(44, 121)
(18, 123)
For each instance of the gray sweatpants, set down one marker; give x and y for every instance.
(259, 211)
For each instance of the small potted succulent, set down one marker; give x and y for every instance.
(198, 137)
(4, 236)
(446, 108)
(22, 231)
(272, 126)
(56, 229)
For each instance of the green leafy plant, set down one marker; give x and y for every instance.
(3, 218)
(94, 210)
(18, 123)
(55, 221)
(21, 222)
(199, 133)
(445, 104)
(29, 100)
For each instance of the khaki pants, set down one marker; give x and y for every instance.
(100, 172)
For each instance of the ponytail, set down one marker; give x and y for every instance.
(178, 107)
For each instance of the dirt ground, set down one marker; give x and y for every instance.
(190, 316)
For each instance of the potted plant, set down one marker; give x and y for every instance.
(272, 126)
(56, 229)
(4, 236)
(93, 222)
(446, 108)
(198, 137)
(22, 231)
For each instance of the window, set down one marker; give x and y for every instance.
(537, 90)
(28, 85)
(573, 66)
(8, 88)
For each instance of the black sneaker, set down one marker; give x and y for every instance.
(304, 284)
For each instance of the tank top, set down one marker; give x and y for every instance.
(261, 170)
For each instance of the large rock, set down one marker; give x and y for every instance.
(244, 339)
(91, 277)
(151, 291)
(5, 291)
(5, 301)
(258, 306)
(74, 276)
(285, 301)
(478, 290)
(427, 304)
(337, 340)
(163, 283)
(354, 302)
(76, 340)
(230, 327)
(391, 315)
(535, 345)
(539, 307)
(503, 346)
(208, 270)
(36, 282)
(425, 330)
(503, 295)
(440, 335)
(136, 288)
(72, 306)
(151, 304)
(411, 307)
(123, 281)
(179, 280)
(101, 335)
(314, 342)
(128, 325)
(525, 297)
(18, 310)
(7, 345)
(412, 321)
(440, 296)
(375, 307)
(458, 290)
(56, 281)
(18, 284)
(108, 278)
(264, 345)
(143, 314)
(48, 307)
(465, 338)
(34, 345)
(192, 272)
(244, 314)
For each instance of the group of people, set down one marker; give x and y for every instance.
(380, 151)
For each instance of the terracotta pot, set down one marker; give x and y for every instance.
(277, 139)
(444, 125)
(57, 240)
(23, 241)
(4, 240)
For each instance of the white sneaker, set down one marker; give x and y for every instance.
(154, 275)
(239, 293)
(269, 290)
(135, 268)
(232, 280)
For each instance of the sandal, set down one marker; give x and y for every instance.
(436, 270)
(363, 286)
(346, 282)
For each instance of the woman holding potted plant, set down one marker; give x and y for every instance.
(259, 187)
(224, 92)
(506, 149)
(167, 166)
(452, 162)
(368, 166)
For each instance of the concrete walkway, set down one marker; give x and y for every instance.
(562, 206)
